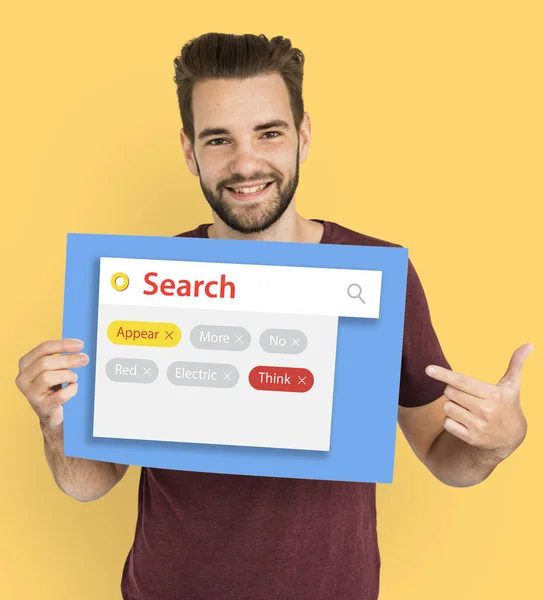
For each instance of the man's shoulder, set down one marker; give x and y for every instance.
(198, 232)
(334, 233)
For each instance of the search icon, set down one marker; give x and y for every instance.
(355, 291)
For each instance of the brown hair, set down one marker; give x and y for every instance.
(229, 56)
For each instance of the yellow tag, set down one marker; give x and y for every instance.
(143, 333)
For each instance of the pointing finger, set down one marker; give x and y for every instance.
(461, 382)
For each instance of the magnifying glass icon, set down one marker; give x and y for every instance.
(355, 291)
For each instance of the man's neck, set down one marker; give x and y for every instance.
(296, 229)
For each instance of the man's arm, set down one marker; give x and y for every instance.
(462, 436)
(448, 458)
(42, 372)
(80, 478)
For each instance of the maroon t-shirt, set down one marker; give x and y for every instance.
(205, 536)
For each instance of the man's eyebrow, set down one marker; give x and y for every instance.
(276, 123)
(212, 131)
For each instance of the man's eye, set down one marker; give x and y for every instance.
(222, 141)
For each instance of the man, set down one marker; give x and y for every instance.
(229, 537)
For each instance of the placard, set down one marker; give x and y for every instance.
(233, 356)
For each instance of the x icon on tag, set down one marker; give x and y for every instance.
(169, 335)
(147, 371)
(239, 338)
(302, 380)
(226, 376)
(294, 341)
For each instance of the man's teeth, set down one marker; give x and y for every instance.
(250, 190)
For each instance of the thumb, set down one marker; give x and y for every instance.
(512, 376)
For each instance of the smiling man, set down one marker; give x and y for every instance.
(231, 200)
(232, 537)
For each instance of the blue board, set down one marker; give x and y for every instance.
(367, 373)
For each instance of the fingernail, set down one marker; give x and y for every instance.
(431, 370)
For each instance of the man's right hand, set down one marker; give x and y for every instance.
(41, 374)
(43, 370)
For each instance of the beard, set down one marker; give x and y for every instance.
(252, 217)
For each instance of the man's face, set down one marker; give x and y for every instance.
(246, 150)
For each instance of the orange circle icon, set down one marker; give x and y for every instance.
(119, 281)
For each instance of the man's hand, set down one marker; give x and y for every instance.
(43, 371)
(484, 415)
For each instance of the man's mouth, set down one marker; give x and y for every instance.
(249, 192)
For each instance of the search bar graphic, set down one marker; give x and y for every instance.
(241, 287)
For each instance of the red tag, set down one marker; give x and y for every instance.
(281, 379)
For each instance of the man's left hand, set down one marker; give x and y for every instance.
(484, 415)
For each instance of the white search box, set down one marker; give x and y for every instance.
(240, 287)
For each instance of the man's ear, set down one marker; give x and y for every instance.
(188, 152)
(304, 137)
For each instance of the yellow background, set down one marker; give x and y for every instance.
(427, 131)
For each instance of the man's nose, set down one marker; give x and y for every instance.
(246, 161)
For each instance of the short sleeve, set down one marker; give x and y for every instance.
(420, 348)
